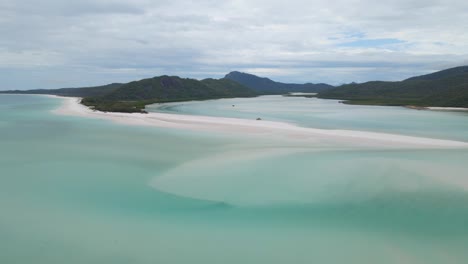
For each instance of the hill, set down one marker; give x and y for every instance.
(447, 88)
(263, 85)
(452, 72)
(169, 88)
(133, 96)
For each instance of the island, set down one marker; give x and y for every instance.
(133, 97)
(447, 88)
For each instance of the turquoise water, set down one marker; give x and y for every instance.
(78, 190)
(330, 114)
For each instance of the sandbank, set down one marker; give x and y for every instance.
(447, 108)
(71, 106)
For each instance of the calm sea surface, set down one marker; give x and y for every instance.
(80, 190)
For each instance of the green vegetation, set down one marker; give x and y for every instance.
(448, 88)
(267, 86)
(116, 106)
(229, 87)
(133, 96)
(169, 88)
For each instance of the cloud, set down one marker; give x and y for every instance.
(339, 41)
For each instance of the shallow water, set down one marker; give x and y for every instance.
(330, 114)
(78, 190)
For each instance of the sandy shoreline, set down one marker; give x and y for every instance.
(447, 108)
(436, 108)
(72, 107)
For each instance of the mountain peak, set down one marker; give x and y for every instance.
(264, 85)
(238, 73)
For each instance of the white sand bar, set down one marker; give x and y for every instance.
(71, 106)
(447, 108)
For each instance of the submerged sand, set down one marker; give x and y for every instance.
(71, 106)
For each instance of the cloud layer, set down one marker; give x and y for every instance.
(55, 43)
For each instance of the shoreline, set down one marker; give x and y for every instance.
(414, 107)
(436, 108)
(72, 107)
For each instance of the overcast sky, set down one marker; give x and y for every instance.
(65, 43)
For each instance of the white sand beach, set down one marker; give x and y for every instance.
(447, 108)
(72, 107)
(300, 93)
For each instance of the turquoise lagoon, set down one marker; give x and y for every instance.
(82, 190)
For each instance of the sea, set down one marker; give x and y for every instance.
(83, 190)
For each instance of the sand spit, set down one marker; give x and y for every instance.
(71, 106)
(447, 108)
(436, 108)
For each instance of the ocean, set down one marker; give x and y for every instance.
(83, 190)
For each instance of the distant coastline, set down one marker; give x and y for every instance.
(443, 90)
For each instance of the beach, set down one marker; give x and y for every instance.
(447, 108)
(71, 106)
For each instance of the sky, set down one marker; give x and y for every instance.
(60, 43)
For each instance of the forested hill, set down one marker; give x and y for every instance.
(133, 96)
(263, 85)
(447, 88)
(170, 88)
(448, 73)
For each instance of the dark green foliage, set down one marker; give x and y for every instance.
(448, 88)
(267, 86)
(229, 88)
(115, 106)
(445, 88)
(168, 88)
(133, 96)
(442, 74)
